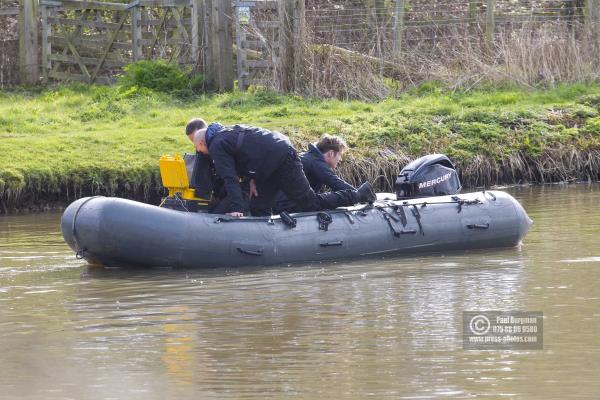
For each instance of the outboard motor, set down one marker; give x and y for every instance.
(431, 175)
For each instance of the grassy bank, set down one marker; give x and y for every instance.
(62, 143)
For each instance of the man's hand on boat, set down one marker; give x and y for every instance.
(253, 192)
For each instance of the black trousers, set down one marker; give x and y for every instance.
(290, 179)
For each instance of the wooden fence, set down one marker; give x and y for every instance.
(256, 30)
(90, 41)
(254, 41)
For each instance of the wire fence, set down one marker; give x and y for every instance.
(356, 49)
(462, 42)
(427, 23)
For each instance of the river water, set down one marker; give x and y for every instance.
(385, 328)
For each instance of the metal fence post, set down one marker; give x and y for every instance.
(299, 41)
(205, 45)
(490, 21)
(473, 14)
(398, 27)
(591, 12)
(592, 20)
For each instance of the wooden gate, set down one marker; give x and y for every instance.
(270, 43)
(91, 41)
(257, 26)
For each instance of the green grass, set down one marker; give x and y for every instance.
(82, 139)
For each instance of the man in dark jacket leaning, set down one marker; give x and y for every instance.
(319, 164)
(270, 163)
(206, 182)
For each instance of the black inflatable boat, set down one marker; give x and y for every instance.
(425, 215)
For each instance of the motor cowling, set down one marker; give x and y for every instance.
(431, 175)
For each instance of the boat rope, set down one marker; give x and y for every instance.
(417, 215)
(79, 251)
(485, 192)
(389, 218)
(462, 202)
(398, 209)
(181, 203)
(350, 217)
(455, 200)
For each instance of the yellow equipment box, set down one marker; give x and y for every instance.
(175, 179)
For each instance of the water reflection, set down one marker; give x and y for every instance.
(387, 328)
(292, 328)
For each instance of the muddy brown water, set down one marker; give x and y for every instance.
(384, 328)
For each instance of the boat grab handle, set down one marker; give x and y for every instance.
(329, 244)
(407, 232)
(478, 226)
(250, 252)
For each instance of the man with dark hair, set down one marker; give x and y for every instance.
(203, 170)
(272, 164)
(192, 126)
(319, 164)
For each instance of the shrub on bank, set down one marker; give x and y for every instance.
(161, 76)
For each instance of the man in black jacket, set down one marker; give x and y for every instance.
(204, 179)
(270, 163)
(319, 164)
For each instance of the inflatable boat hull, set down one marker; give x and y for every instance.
(115, 231)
